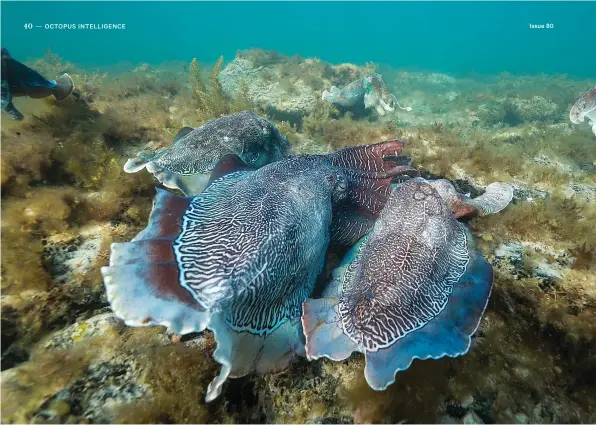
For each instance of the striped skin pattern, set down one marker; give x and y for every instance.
(405, 270)
(252, 243)
(253, 138)
(350, 223)
(372, 158)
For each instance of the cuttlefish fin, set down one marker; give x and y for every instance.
(142, 279)
(240, 353)
(448, 334)
(13, 112)
(137, 163)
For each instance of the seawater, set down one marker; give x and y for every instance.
(449, 37)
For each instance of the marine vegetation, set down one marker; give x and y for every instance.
(68, 358)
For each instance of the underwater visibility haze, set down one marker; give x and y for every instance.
(298, 212)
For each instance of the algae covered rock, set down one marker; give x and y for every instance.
(293, 98)
(516, 111)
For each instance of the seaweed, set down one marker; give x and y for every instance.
(585, 257)
(262, 58)
(211, 101)
(26, 156)
(36, 381)
(557, 219)
(177, 392)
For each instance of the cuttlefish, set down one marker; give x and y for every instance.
(415, 287)
(241, 257)
(369, 90)
(584, 108)
(187, 164)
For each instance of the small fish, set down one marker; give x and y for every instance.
(20, 80)
(584, 108)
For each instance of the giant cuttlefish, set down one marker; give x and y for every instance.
(187, 164)
(584, 108)
(241, 257)
(415, 287)
(369, 90)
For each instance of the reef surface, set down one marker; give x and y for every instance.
(65, 199)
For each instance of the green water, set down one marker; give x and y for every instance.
(457, 38)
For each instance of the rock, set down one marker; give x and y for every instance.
(520, 418)
(80, 331)
(283, 102)
(448, 420)
(524, 193)
(529, 259)
(75, 257)
(451, 96)
(472, 418)
(57, 409)
(583, 192)
(535, 109)
(467, 401)
(545, 161)
(105, 386)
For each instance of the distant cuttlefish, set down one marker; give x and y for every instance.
(370, 89)
(20, 80)
(584, 108)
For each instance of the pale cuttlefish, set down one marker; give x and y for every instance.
(414, 288)
(241, 257)
(369, 90)
(187, 164)
(585, 108)
(20, 80)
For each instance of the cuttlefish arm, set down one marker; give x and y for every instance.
(379, 97)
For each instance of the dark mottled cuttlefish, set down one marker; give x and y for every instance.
(241, 257)
(187, 164)
(584, 108)
(414, 287)
(20, 80)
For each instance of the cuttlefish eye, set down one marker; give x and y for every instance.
(338, 182)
